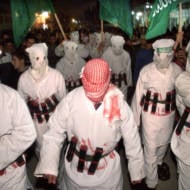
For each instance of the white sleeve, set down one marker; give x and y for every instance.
(53, 140)
(61, 86)
(59, 50)
(133, 148)
(20, 88)
(21, 132)
(129, 73)
(135, 104)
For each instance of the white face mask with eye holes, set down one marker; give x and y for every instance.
(38, 58)
(70, 49)
(162, 59)
(117, 43)
(117, 49)
(75, 37)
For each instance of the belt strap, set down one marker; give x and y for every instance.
(89, 158)
(2, 172)
(19, 162)
(182, 121)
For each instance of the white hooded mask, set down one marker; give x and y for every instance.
(70, 49)
(39, 60)
(107, 39)
(117, 43)
(74, 36)
(163, 53)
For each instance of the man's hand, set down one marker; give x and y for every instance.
(51, 178)
(136, 182)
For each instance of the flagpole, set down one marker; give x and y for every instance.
(102, 30)
(180, 21)
(60, 27)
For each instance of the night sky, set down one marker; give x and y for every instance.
(76, 7)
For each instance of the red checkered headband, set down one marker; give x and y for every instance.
(95, 77)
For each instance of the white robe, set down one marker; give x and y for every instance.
(52, 83)
(17, 133)
(157, 128)
(82, 50)
(119, 64)
(92, 129)
(70, 68)
(180, 144)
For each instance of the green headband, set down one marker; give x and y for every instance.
(164, 50)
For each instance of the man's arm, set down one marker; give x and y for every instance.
(22, 132)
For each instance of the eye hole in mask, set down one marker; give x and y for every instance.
(164, 50)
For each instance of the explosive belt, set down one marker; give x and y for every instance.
(117, 79)
(83, 157)
(182, 121)
(169, 102)
(17, 163)
(70, 85)
(42, 111)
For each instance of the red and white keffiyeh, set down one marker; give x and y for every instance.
(95, 77)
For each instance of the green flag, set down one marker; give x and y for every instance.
(159, 17)
(23, 16)
(117, 12)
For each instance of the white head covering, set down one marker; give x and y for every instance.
(74, 36)
(163, 52)
(117, 43)
(163, 45)
(38, 58)
(95, 76)
(70, 49)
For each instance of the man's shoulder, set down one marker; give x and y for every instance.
(7, 91)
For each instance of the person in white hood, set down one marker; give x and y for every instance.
(180, 141)
(94, 117)
(17, 134)
(82, 49)
(154, 102)
(42, 87)
(70, 65)
(120, 63)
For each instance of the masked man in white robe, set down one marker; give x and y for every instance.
(82, 49)
(95, 117)
(96, 45)
(17, 133)
(180, 142)
(42, 87)
(154, 102)
(70, 65)
(120, 63)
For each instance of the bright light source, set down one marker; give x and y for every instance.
(132, 12)
(45, 14)
(45, 26)
(41, 19)
(74, 21)
(138, 15)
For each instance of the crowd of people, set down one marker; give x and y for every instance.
(77, 99)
